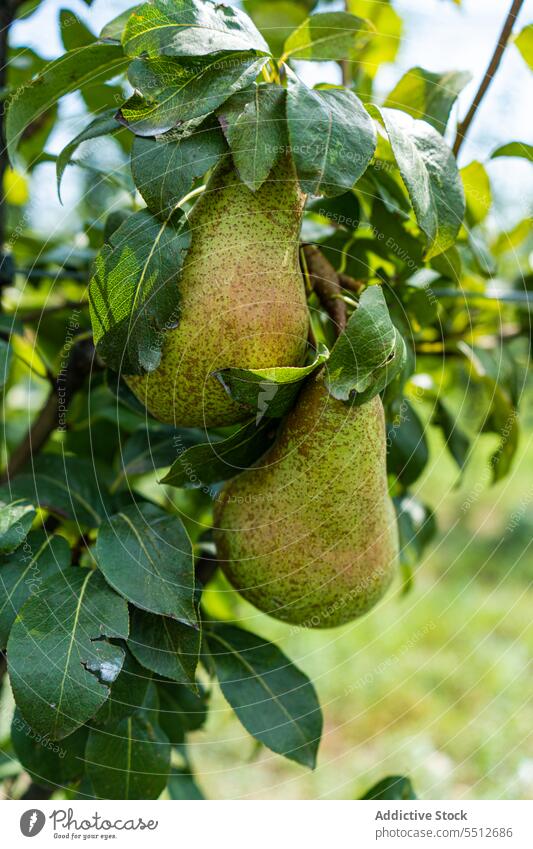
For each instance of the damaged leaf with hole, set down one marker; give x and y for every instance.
(61, 663)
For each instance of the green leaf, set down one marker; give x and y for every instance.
(93, 63)
(5, 362)
(369, 352)
(516, 148)
(274, 700)
(165, 646)
(427, 95)
(150, 448)
(331, 136)
(408, 453)
(61, 664)
(129, 760)
(127, 695)
(165, 169)
(134, 296)
(23, 65)
(430, 173)
(16, 519)
(181, 785)
(190, 28)
(73, 31)
(343, 210)
(456, 441)
(478, 196)
(268, 392)
(170, 92)
(276, 19)
(70, 487)
(23, 572)
(390, 192)
(170, 722)
(105, 124)
(232, 108)
(258, 135)
(329, 35)
(26, 8)
(11, 326)
(49, 763)
(392, 787)
(146, 556)
(507, 241)
(384, 45)
(448, 264)
(114, 29)
(503, 420)
(421, 306)
(221, 459)
(183, 704)
(524, 42)
(416, 528)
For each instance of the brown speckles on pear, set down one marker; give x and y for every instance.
(309, 535)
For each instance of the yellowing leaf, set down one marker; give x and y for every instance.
(478, 195)
(15, 187)
(385, 42)
(524, 42)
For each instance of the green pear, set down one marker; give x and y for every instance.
(309, 534)
(243, 301)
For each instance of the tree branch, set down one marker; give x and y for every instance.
(325, 282)
(80, 363)
(6, 19)
(36, 315)
(346, 64)
(8, 10)
(493, 65)
(350, 283)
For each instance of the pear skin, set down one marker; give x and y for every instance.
(309, 534)
(243, 301)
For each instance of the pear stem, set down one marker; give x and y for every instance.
(325, 282)
(350, 283)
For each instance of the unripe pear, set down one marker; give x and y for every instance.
(309, 534)
(242, 298)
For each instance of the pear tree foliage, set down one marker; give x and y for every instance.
(107, 614)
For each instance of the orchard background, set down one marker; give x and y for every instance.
(431, 684)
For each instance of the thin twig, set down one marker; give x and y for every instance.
(350, 283)
(493, 65)
(6, 19)
(346, 65)
(80, 363)
(35, 315)
(346, 68)
(51, 274)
